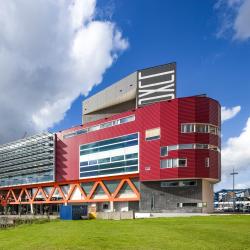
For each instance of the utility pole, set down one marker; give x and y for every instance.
(233, 174)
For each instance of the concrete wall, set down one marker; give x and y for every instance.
(166, 199)
(107, 112)
(115, 215)
(120, 92)
(208, 196)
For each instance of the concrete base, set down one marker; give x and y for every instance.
(167, 215)
(115, 215)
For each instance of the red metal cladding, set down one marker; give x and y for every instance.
(169, 116)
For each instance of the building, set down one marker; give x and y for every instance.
(139, 148)
(229, 200)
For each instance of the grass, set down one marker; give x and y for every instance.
(213, 232)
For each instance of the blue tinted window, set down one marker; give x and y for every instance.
(104, 160)
(93, 162)
(110, 147)
(114, 165)
(131, 156)
(110, 165)
(84, 163)
(117, 158)
(109, 141)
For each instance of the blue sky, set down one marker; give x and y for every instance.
(209, 59)
(185, 32)
(53, 54)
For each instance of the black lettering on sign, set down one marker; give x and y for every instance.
(156, 84)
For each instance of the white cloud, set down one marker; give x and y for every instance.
(241, 24)
(229, 113)
(50, 53)
(236, 155)
(235, 18)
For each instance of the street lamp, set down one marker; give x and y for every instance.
(233, 174)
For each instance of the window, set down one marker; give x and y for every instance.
(93, 128)
(173, 147)
(105, 206)
(152, 134)
(184, 183)
(104, 160)
(84, 163)
(212, 147)
(213, 130)
(106, 125)
(116, 160)
(169, 184)
(207, 162)
(179, 204)
(93, 162)
(127, 119)
(173, 163)
(201, 146)
(199, 128)
(131, 156)
(182, 162)
(189, 204)
(100, 126)
(186, 146)
(164, 151)
(166, 163)
(82, 131)
(188, 183)
(187, 128)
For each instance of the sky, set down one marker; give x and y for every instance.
(54, 54)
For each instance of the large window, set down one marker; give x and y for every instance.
(109, 157)
(174, 163)
(200, 128)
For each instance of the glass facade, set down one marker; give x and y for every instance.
(26, 161)
(109, 157)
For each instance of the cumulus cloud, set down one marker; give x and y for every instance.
(235, 18)
(229, 113)
(236, 155)
(50, 53)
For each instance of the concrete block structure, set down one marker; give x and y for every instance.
(139, 148)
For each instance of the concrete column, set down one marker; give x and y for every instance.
(31, 209)
(111, 206)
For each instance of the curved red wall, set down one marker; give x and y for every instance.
(169, 116)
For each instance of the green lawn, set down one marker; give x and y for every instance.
(214, 232)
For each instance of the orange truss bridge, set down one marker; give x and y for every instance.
(106, 189)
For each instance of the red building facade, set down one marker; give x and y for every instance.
(176, 161)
